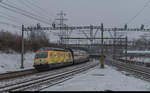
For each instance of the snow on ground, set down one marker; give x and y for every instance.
(139, 59)
(142, 59)
(100, 80)
(12, 62)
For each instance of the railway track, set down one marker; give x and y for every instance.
(49, 79)
(15, 74)
(134, 62)
(138, 71)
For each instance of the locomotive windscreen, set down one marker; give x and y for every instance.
(41, 55)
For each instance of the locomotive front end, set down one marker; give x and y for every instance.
(41, 60)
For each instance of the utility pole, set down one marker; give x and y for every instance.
(102, 48)
(91, 34)
(22, 48)
(126, 48)
(114, 44)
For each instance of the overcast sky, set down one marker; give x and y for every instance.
(82, 12)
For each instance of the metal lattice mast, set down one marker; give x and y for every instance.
(61, 19)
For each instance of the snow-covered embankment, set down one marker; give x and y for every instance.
(12, 62)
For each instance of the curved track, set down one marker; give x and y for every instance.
(49, 78)
(15, 74)
(140, 71)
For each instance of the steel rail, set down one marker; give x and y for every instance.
(59, 78)
(141, 71)
(40, 75)
(50, 78)
(15, 74)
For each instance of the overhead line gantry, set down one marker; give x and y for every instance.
(141, 29)
(101, 28)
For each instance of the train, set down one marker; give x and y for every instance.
(133, 53)
(50, 57)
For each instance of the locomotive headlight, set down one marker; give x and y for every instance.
(45, 61)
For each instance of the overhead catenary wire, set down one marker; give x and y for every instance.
(26, 4)
(9, 19)
(22, 12)
(31, 2)
(9, 24)
(41, 10)
(6, 14)
(138, 13)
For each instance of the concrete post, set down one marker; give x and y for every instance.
(102, 48)
(22, 48)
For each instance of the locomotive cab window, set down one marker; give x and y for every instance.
(50, 54)
(55, 55)
(61, 55)
(69, 55)
(41, 55)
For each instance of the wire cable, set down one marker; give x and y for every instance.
(9, 18)
(12, 18)
(22, 12)
(28, 6)
(41, 10)
(3, 13)
(36, 5)
(9, 24)
(133, 18)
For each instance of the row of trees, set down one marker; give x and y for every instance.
(12, 42)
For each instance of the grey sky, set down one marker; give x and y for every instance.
(84, 12)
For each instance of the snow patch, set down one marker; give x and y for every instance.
(108, 79)
(12, 62)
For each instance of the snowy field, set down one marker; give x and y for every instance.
(12, 62)
(102, 80)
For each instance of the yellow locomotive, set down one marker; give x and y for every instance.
(47, 58)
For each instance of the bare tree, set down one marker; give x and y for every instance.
(38, 39)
